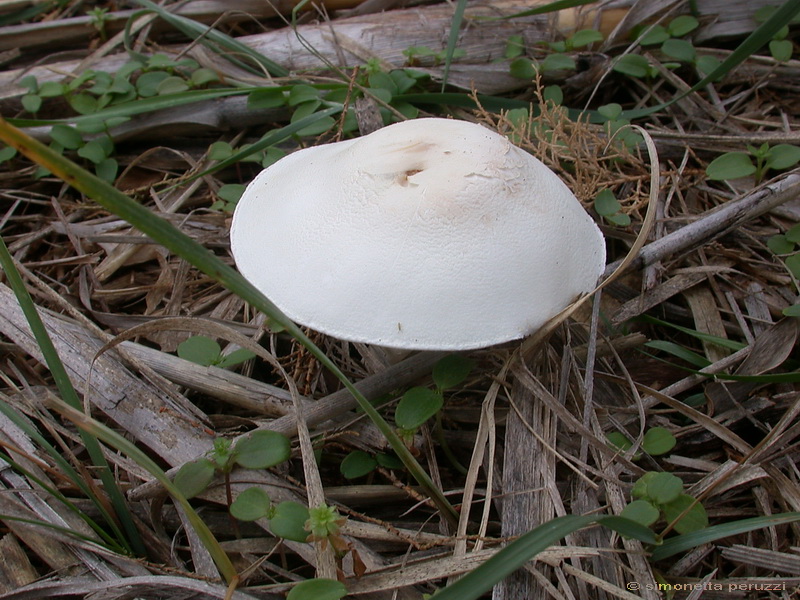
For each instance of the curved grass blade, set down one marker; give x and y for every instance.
(96, 429)
(674, 545)
(173, 239)
(111, 543)
(203, 33)
(131, 537)
(475, 583)
(452, 40)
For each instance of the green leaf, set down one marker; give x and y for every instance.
(556, 62)
(203, 76)
(522, 68)
(107, 169)
(318, 589)
(93, 151)
(783, 156)
(451, 371)
(793, 235)
(220, 151)
(610, 111)
(194, 477)
(706, 64)
(655, 35)
(680, 26)
(793, 264)
(357, 464)
(67, 136)
(515, 46)
(51, 89)
(266, 98)
(262, 449)
(606, 204)
(553, 93)
(781, 50)
(7, 153)
(388, 461)
(731, 165)
(619, 441)
(231, 192)
(200, 349)
(618, 219)
(147, 84)
(679, 50)
(639, 489)
(792, 311)
(663, 488)
(288, 521)
(29, 83)
(84, 104)
(584, 37)
(302, 93)
(642, 512)
(417, 406)
(658, 441)
(633, 65)
(31, 102)
(172, 85)
(694, 520)
(251, 504)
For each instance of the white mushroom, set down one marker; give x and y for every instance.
(426, 234)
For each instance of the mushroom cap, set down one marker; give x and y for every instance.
(426, 234)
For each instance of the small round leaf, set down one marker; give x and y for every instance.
(357, 464)
(251, 504)
(730, 165)
(783, 156)
(289, 520)
(663, 488)
(451, 370)
(262, 449)
(417, 406)
(658, 441)
(194, 477)
(642, 512)
(780, 244)
(694, 520)
(318, 589)
(200, 349)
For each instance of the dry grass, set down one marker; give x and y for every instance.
(539, 426)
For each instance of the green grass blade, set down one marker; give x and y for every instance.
(173, 239)
(547, 8)
(673, 546)
(138, 107)
(452, 40)
(70, 396)
(93, 428)
(198, 31)
(704, 337)
(479, 581)
(111, 543)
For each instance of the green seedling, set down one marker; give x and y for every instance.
(786, 245)
(358, 463)
(756, 162)
(656, 441)
(260, 449)
(659, 496)
(421, 403)
(98, 17)
(608, 207)
(780, 47)
(287, 519)
(207, 352)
